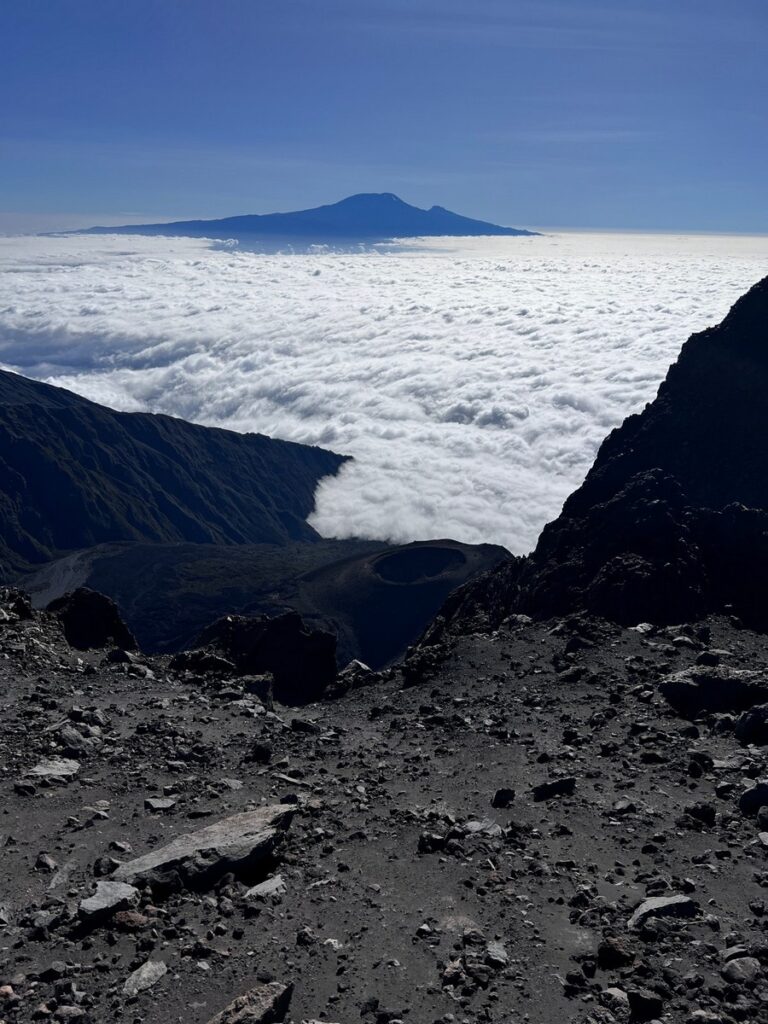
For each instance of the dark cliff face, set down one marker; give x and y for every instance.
(672, 519)
(706, 427)
(74, 474)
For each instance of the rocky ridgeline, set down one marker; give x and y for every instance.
(671, 522)
(552, 821)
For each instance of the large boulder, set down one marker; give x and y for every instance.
(91, 620)
(242, 844)
(695, 691)
(302, 660)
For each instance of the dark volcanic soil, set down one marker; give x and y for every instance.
(407, 895)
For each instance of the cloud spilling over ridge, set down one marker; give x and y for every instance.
(472, 380)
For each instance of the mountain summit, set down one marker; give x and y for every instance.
(369, 215)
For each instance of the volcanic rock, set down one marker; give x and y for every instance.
(695, 690)
(556, 787)
(503, 798)
(301, 660)
(613, 952)
(54, 769)
(264, 1004)
(742, 969)
(110, 897)
(752, 727)
(91, 620)
(144, 977)
(237, 844)
(645, 1005)
(663, 906)
(271, 887)
(753, 798)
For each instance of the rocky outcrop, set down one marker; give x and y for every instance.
(301, 660)
(91, 620)
(672, 519)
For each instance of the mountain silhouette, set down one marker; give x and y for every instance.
(370, 216)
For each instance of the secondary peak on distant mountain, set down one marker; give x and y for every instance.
(369, 216)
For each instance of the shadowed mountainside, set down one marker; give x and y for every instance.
(671, 521)
(376, 598)
(374, 215)
(74, 474)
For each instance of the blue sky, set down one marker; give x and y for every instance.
(645, 114)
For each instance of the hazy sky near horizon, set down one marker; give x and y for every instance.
(640, 114)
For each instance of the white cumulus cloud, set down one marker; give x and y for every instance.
(472, 380)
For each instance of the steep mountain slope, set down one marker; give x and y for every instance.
(367, 215)
(74, 474)
(671, 521)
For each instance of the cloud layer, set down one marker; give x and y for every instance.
(471, 380)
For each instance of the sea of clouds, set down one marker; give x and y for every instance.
(471, 379)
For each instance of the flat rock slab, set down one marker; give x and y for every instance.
(109, 897)
(238, 844)
(144, 977)
(663, 906)
(160, 803)
(265, 1004)
(54, 769)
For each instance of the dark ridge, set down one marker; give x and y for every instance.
(74, 474)
(671, 522)
(371, 215)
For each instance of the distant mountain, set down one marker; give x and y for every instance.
(371, 216)
(74, 474)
